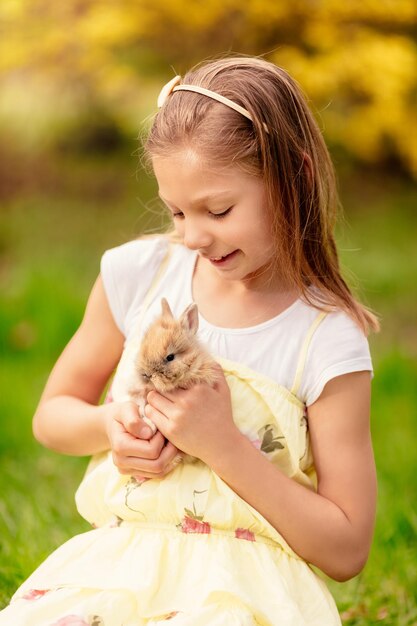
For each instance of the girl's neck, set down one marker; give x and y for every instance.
(238, 304)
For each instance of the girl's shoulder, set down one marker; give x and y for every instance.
(147, 250)
(338, 346)
(331, 328)
(137, 251)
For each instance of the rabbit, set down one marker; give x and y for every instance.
(170, 357)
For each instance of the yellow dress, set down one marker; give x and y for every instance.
(185, 550)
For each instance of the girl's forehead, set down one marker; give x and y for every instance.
(192, 183)
(189, 167)
(185, 160)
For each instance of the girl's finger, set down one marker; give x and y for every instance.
(158, 401)
(131, 447)
(158, 418)
(152, 466)
(139, 429)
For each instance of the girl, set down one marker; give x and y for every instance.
(227, 540)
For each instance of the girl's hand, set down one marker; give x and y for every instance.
(135, 451)
(198, 420)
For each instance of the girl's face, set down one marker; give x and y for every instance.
(220, 212)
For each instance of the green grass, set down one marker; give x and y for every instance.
(50, 246)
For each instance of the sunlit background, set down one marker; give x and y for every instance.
(78, 83)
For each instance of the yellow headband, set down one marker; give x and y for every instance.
(174, 85)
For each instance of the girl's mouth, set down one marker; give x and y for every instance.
(222, 260)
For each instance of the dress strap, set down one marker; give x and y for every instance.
(304, 351)
(154, 284)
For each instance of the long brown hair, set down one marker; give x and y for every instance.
(290, 156)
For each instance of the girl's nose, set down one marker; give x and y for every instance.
(196, 237)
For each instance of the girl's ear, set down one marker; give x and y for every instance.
(189, 319)
(166, 311)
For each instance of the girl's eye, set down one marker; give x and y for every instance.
(180, 215)
(220, 215)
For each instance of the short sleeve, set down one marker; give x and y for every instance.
(338, 347)
(127, 272)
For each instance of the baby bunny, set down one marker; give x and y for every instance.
(170, 357)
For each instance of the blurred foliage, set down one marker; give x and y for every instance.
(356, 60)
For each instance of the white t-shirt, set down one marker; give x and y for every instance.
(272, 348)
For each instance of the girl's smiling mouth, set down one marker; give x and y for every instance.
(222, 260)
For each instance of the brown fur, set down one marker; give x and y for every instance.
(191, 365)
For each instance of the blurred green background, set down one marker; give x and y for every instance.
(78, 81)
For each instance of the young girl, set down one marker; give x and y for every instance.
(285, 473)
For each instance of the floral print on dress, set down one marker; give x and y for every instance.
(130, 487)
(305, 458)
(192, 522)
(270, 441)
(115, 522)
(245, 533)
(35, 594)
(192, 525)
(169, 616)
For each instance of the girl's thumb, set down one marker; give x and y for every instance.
(145, 429)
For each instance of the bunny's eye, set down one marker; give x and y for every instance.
(170, 357)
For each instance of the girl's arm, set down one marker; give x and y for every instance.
(331, 528)
(68, 419)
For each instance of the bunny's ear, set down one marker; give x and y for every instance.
(189, 319)
(166, 311)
